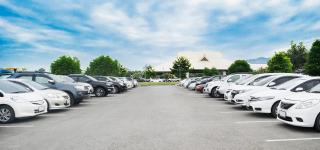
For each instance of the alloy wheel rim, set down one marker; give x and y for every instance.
(100, 92)
(5, 114)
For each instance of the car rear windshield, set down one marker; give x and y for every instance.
(9, 87)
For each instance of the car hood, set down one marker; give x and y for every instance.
(52, 91)
(302, 96)
(269, 92)
(244, 87)
(31, 96)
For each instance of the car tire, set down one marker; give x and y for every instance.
(72, 100)
(100, 92)
(274, 109)
(116, 90)
(317, 123)
(214, 93)
(7, 114)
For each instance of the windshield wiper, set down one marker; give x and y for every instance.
(20, 92)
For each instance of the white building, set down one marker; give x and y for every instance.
(201, 60)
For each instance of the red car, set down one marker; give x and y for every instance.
(200, 87)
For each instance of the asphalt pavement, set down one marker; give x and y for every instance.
(155, 118)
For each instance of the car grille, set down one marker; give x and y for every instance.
(285, 105)
(285, 118)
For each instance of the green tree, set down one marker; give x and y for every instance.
(280, 62)
(261, 70)
(106, 66)
(313, 64)
(149, 72)
(298, 55)
(167, 76)
(66, 65)
(210, 72)
(42, 70)
(239, 66)
(180, 67)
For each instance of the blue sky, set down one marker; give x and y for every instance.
(35, 32)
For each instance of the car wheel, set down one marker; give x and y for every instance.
(317, 123)
(214, 93)
(6, 114)
(115, 90)
(72, 100)
(274, 109)
(100, 92)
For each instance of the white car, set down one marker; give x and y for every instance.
(192, 86)
(17, 101)
(252, 80)
(55, 99)
(128, 83)
(241, 94)
(267, 101)
(212, 87)
(301, 109)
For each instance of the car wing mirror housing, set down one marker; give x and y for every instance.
(271, 84)
(51, 81)
(299, 89)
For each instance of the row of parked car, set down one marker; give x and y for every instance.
(291, 98)
(27, 94)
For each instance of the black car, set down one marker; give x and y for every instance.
(76, 91)
(118, 86)
(101, 88)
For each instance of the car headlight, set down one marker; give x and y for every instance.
(265, 98)
(109, 84)
(80, 88)
(308, 104)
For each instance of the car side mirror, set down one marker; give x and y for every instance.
(229, 80)
(51, 81)
(299, 89)
(271, 84)
(1, 94)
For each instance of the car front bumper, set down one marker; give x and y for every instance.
(28, 109)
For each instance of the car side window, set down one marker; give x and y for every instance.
(307, 85)
(27, 77)
(282, 80)
(74, 78)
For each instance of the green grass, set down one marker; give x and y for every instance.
(156, 83)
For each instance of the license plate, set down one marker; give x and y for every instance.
(282, 113)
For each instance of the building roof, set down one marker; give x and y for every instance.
(200, 60)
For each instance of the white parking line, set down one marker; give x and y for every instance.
(297, 139)
(53, 115)
(16, 126)
(257, 121)
(232, 112)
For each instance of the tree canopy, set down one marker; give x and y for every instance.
(239, 66)
(180, 67)
(210, 72)
(106, 66)
(313, 64)
(280, 62)
(66, 65)
(149, 72)
(298, 55)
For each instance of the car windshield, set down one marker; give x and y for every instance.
(315, 89)
(246, 80)
(61, 78)
(9, 87)
(264, 81)
(291, 84)
(35, 85)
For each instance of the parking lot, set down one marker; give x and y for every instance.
(156, 117)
